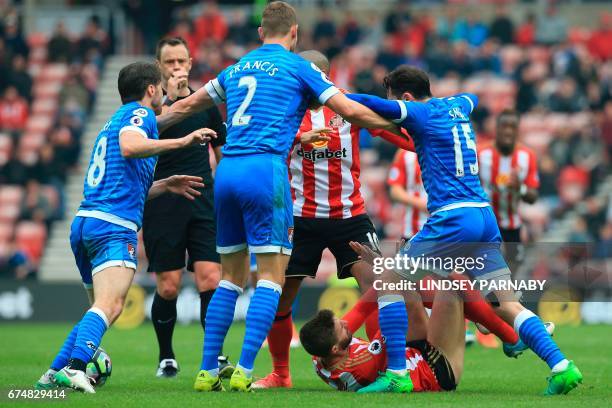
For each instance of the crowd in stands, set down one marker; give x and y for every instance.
(47, 87)
(559, 77)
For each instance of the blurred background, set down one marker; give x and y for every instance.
(550, 60)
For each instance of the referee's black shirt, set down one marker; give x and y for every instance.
(193, 160)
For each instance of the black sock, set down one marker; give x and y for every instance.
(204, 301)
(163, 315)
(77, 364)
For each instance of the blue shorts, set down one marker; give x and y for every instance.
(98, 244)
(464, 240)
(253, 204)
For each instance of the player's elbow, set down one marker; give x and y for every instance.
(396, 192)
(128, 150)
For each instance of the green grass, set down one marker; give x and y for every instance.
(490, 379)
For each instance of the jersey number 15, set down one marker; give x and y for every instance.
(470, 144)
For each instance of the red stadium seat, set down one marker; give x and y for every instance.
(44, 106)
(30, 237)
(40, 123)
(37, 40)
(9, 212)
(32, 141)
(47, 89)
(6, 231)
(54, 72)
(11, 194)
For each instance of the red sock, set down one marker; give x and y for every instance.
(279, 341)
(361, 311)
(480, 311)
(371, 325)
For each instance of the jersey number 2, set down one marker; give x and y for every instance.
(239, 118)
(460, 172)
(98, 164)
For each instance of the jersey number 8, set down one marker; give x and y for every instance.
(98, 164)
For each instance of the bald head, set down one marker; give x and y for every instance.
(316, 58)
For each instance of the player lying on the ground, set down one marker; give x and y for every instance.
(461, 224)
(347, 363)
(324, 170)
(266, 94)
(103, 233)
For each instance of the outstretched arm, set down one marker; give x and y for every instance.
(196, 102)
(182, 185)
(357, 113)
(389, 109)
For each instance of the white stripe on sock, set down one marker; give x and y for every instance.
(230, 286)
(270, 285)
(100, 313)
(386, 300)
(520, 319)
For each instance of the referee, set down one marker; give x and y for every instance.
(173, 225)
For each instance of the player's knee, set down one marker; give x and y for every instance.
(168, 286)
(208, 278)
(112, 308)
(168, 292)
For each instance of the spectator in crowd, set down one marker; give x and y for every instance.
(567, 98)
(93, 44)
(600, 42)
(5, 65)
(59, 47)
(36, 206)
(471, 30)
(502, 27)
(20, 78)
(20, 168)
(525, 33)
(73, 89)
(398, 17)
(13, 110)
(241, 29)
(14, 264)
(350, 31)
(324, 31)
(461, 62)
(14, 40)
(211, 25)
(438, 58)
(551, 28)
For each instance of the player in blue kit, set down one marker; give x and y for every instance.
(103, 233)
(461, 223)
(266, 93)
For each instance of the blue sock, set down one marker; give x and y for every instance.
(259, 319)
(219, 317)
(393, 321)
(61, 360)
(533, 333)
(92, 327)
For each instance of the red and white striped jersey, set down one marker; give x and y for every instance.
(325, 175)
(496, 171)
(405, 172)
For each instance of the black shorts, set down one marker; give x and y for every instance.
(437, 361)
(513, 247)
(312, 235)
(173, 225)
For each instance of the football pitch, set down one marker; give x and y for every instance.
(490, 379)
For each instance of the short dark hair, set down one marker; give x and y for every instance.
(508, 112)
(277, 18)
(171, 41)
(408, 79)
(317, 335)
(135, 78)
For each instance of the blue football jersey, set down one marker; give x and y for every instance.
(266, 94)
(445, 144)
(116, 187)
